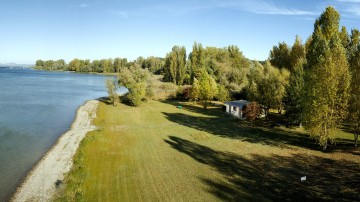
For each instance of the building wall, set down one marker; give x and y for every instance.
(237, 112)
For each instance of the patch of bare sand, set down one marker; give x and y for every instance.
(39, 185)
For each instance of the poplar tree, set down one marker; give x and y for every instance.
(207, 89)
(327, 79)
(175, 65)
(295, 94)
(197, 61)
(280, 56)
(295, 89)
(354, 102)
(195, 90)
(297, 53)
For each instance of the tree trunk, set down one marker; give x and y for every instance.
(266, 113)
(356, 138)
(325, 146)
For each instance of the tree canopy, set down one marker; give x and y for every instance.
(327, 79)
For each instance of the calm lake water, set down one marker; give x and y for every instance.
(36, 107)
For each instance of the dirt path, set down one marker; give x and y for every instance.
(39, 185)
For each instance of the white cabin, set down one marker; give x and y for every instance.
(236, 107)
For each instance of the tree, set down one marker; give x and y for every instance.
(207, 89)
(74, 65)
(111, 86)
(344, 37)
(280, 56)
(39, 64)
(267, 85)
(297, 53)
(107, 65)
(154, 64)
(197, 61)
(119, 63)
(135, 79)
(195, 90)
(354, 101)
(295, 94)
(327, 79)
(252, 111)
(175, 65)
(223, 93)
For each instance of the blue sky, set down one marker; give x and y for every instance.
(94, 29)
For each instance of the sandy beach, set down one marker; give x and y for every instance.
(39, 185)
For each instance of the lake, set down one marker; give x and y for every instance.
(36, 107)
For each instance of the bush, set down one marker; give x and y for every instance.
(183, 92)
(252, 111)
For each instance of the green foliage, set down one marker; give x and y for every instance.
(154, 64)
(267, 85)
(354, 101)
(280, 56)
(327, 79)
(197, 61)
(119, 63)
(98, 66)
(175, 65)
(207, 89)
(111, 87)
(195, 90)
(74, 65)
(51, 65)
(149, 92)
(137, 93)
(223, 94)
(295, 94)
(228, 66)
(107, 65)
(135, 79)
(344, 37)
(297, 53)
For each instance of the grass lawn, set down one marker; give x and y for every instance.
(157, 152)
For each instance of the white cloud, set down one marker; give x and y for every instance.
(354, 10)
(349, 1)
(189, 6)
(83, 5)
(261, 7)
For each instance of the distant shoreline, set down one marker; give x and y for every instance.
(39, 184)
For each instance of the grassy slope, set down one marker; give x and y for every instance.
(160, 153)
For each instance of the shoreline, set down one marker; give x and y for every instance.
(39, 183)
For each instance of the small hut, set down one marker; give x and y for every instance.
(236, 107)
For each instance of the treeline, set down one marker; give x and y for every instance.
(153, 64)
(317, 83)
(322, 91)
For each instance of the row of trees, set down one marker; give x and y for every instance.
(228, 66)
(154, 65)
(324, 83)
(317, 83)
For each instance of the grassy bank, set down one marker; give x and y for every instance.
(157, 152)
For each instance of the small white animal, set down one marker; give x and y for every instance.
(303, 178)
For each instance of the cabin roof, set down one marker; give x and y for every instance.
(237, 103)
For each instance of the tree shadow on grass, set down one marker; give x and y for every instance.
(274, 178)
(221, 124)
(105, 100)
(231, 128)
(212, 110)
